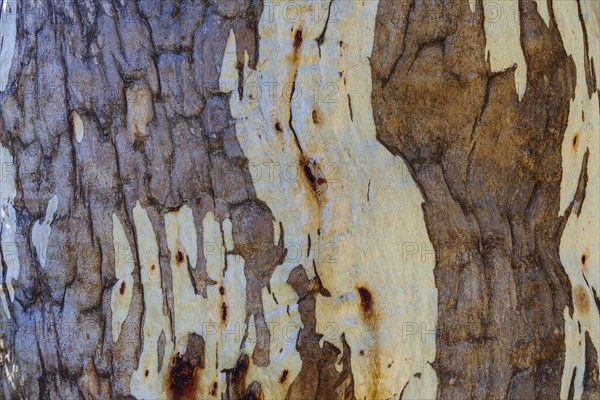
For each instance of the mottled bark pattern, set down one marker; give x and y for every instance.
(116, 105)
(152, 66)
(489, 167)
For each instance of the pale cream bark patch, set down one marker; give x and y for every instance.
(361, 208)
(218, 318)
(40, 233)
(590, 11)
(78, 129)
(228, 234)
(234, 299)
(140, 109)
(282, 319)
(8, 225)
(580, 247)
(229, 73)
(503, 40)
(8, 37)
(122, 291)
(472, 5)
(147, 382)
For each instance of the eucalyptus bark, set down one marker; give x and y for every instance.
(329, 199)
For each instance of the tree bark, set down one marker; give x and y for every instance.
(329, 199)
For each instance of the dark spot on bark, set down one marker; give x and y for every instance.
(298, 39)
(254, 392)
(315, 117)
(362, 353)
(147, 372)
(575, 140)
(278, 127)
(314, 175)
(213, 392)
(224, 311)
(283, 376)
(582, 301)
(153, 267)
(122, 288)
(181, 378)
(583, 259)
(309, 174)
(417, 375)
(366, 300)
(237, 385)
(222, 290)
(182, 37)
(175, 13)
(179, 257)
(341, 43)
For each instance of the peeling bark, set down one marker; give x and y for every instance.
(329, 199)
(489, 160)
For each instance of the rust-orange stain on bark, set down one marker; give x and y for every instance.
(179, 257)
(181, 379)
(369, 314)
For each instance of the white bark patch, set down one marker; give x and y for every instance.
(77, 126)
(503, 40)
(147, 382)
(357, 201)
(8, 225)
(228, 234)
(8, 37)
(229, 73)
(472, 5)
(579, 248)
(122, 291)
(40, 233)
(218, 318)
(590, 11)
(234, 297)
(214, 252)
(283, 322)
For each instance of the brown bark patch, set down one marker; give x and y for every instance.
(315, 117)
(489, 167)
(366, 302)
(283, 376)
(179, 257)
(582, 300)
(298, 39)
(223, 312)
(182, 380)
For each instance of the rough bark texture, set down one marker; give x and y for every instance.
(489, 167)
(148, 260)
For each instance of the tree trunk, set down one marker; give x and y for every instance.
(329, 199)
